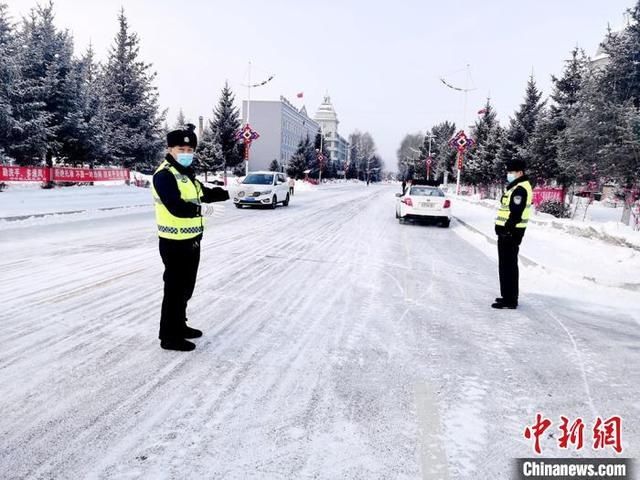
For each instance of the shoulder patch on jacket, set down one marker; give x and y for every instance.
(517, 199)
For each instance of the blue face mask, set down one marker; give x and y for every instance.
(511, 177)
(185, 159)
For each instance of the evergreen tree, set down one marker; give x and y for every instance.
(406, 155)
(82, 132)
(224, 126)
(443, 155)
(131, 102)
(274, 166)
(522, 126)
(298, 162)
(480, 161)
(40, 102)
(621, 77)
(208, 153)
(8, 79)
(180, 121)
(549, 133)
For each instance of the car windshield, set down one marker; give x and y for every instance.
(426, 192)
(258, 179)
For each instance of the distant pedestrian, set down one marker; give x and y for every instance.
(292, 184)
(179, 199)
(510, 225)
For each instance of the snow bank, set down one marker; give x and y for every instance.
(566, 249)
(37, 201)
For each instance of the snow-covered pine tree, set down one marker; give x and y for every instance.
(406, 154)
(522, 126)
(208, 153)
(225, 125)
(181, 121)
(298, 162)
(443, 155)
(82, 133)
(43, 58)
(480, 161)
(548, 135)
(8, 79)
(274, 166)
(131, 103)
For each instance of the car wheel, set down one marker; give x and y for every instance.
(445, 223)
(286, 201)
(274, 202)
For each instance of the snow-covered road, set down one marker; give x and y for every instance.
(338, 344)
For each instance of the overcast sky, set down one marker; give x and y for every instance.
(379, 61)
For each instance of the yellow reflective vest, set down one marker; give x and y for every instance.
(177, 228)
(504, 212)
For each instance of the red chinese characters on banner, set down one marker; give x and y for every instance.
(544, 194)
(537, 430)
(606, 433)
(61, 174)
(24, 174)
(571, 434)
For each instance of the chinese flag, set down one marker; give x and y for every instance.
(300, 95)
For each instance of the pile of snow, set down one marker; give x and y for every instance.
(571, 250)
(601, 222)
(21, 202)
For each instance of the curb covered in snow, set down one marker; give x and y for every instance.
(634, 287)
(584, 231)
(69, 212)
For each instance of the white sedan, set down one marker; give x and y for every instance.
(423, 202)
(262, 188)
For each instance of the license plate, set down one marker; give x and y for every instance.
(426, 205)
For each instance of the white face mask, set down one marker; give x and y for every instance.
(511, 177)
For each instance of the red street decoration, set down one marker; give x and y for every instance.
(482, 111)
(461, 143)
(246, 136)
(429, 161)
(62, 174)
(300, 95)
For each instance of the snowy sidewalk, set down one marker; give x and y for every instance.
(558, 250)
(17, 203)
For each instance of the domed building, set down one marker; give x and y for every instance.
(335, 144)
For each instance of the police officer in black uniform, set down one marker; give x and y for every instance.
(510, 225)
(179, 202)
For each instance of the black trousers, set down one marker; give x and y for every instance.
(181, 259)
(508, 247)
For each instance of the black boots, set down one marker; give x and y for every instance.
(501, 303)
(179, 344)
(188, 332)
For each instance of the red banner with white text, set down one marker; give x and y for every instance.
(62, 174)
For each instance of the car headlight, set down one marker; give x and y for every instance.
(266, 192)
(241, 194)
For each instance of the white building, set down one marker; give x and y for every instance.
(335, 144)
(281, 127)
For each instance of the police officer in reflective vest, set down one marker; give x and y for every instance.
(511, 222)
(179, 203)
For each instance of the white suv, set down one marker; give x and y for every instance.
(262, 188)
